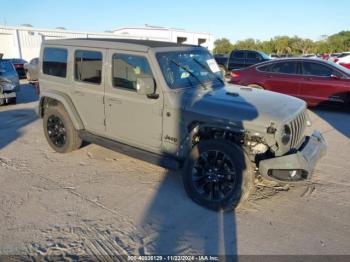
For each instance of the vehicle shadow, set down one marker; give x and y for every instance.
(337, 117)
(174, 224)
(11, 122)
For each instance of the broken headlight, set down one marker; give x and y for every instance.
(286, 134)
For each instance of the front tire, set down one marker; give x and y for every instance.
(59, 130)
(218, 175)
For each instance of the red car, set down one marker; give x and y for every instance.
(313, 80)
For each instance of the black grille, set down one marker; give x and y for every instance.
(298, 126)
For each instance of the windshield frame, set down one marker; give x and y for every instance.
(212, 82)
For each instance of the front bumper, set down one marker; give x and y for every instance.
(298, 166)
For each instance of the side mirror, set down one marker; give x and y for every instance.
(335, 77)
(145, 85)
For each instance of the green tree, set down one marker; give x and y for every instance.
(222, 46)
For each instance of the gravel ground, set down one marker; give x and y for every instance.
(100, 203)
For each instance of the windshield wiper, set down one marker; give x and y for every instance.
(209, 71)
(188, 71)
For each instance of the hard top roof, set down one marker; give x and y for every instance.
(116, 41)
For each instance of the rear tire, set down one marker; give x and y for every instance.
(220, 182)
(59, 130)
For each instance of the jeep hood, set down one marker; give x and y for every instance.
(243, 106)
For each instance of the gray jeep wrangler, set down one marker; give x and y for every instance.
(167, 104)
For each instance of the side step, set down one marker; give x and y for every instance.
(165, 161)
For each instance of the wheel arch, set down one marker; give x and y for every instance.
(52, 99)
(199, 130)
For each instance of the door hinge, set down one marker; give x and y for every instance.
(104, 121)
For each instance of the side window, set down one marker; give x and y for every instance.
(284, 68)
(253, 55)
(88, 66)
(126, 69)
(55, 61)
(315, 69)
(237, 55)
(266, 68)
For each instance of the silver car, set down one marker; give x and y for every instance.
(31, 69)
(9, 83)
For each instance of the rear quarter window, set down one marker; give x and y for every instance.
(55, 62)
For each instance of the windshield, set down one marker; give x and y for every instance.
(265, 56)
(183, 69)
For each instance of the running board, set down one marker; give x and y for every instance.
(166, 161)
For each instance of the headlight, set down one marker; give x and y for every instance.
(286, 134)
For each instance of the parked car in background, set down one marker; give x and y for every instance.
(221, 60)
(31, 69)
(343, 59)
(314, 80)
(18, 63)
(9, 82)
(310, 56)
(242, 58)
(333, 56)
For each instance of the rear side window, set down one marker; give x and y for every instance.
(55, 62)
(238, 55)
(283, 68)
(315, 69)
(88, 66)
(126, 69)
(266, 68)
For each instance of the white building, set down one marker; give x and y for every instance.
(168, 34)
(25, 41)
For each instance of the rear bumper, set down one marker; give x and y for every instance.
(298, 166)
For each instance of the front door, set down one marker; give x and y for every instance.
(283, 77)
(318, 84)
(88, 88)
(132, 118)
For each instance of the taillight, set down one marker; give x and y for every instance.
(235, 74)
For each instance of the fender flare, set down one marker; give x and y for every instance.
(67, 104)
(186, 143)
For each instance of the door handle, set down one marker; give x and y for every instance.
(115, 100)
(308, 78)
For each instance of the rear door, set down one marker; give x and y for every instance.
(282, 77)
(89, 87)
(236, 60)
(318, 84)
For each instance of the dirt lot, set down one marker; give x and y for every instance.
(95, 201)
